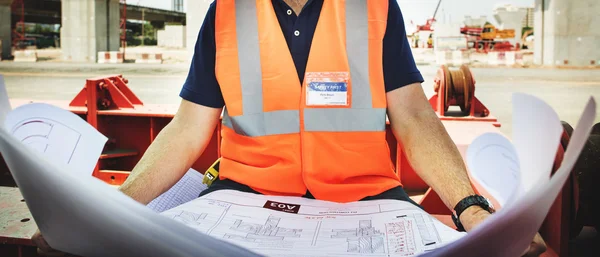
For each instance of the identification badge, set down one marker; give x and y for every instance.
(327, 89)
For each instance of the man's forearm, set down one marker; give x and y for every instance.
(163, 164)
(173, 152)
(434, 157)
(429, 148)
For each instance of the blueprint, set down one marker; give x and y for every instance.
(186, 189)
(277, 226)
(58, 134)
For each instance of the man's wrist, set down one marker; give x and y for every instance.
(472, 211)
(469, 209)
(473, 217)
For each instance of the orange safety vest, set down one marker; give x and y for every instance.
(279, 140)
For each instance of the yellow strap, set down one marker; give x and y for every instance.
(211, 174)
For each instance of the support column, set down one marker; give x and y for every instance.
(5, 29)
(88, 27)
(196, 11)
(566, 32)
(511, 17)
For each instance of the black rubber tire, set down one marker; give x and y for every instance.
(587, 177)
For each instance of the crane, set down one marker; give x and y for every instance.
(123, 25)
(427, 26)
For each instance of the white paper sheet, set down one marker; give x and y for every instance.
(186, 189)
(59, 134)
(292, 226)
(84, 216)
(536, 136)
(4, 103)
(509, 232)
(494, 164)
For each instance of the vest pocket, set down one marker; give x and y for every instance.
(262, 163)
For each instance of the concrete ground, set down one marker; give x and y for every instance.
(565, 90)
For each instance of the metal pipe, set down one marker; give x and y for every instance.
(108, 25)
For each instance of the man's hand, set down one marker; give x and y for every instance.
(43, 248)
(473, 216)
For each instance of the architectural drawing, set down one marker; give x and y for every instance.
(364, 239)
(270, 231)
(48, 137)
(400, 236)
(190, 218)
(61, 136)
(318, 229)
(429, 234)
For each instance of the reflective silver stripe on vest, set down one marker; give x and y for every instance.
(255, 122)
(249, 56)
(361, 116)
(264, 124)
(344, 120)
(357, 46)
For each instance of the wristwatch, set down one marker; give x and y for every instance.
(467, 202)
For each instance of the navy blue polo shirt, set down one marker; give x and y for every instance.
(201, 86)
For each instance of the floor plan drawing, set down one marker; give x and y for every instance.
(190, 218)
(363, 239)
(270, 231)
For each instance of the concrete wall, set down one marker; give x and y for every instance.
(89, 26)
(196, 11)
(5, 31)
(475, 22)
(566, 32)
(172, 36)
(447, 29)
(511, 17)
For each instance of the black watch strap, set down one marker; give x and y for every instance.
(467, 202)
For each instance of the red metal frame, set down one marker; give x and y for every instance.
(477, 112)
(113, 94)
(112, 108)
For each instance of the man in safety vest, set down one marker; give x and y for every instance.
(305, 87)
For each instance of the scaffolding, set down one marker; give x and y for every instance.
(177, 5)
(18, 33)
(123, 26)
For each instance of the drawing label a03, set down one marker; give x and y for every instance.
(283, 207)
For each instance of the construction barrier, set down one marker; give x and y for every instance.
(148, 58)
(110, 57)
(26, 56)
(453, 58)
(507, 58)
